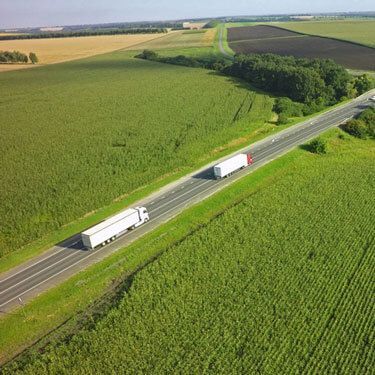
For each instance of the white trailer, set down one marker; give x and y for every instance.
(232, 165)
(114, 227)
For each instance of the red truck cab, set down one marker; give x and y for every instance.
(249, 159)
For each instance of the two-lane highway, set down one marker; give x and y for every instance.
(69, 257)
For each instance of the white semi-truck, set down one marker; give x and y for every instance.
(108, 230)
(231, 165)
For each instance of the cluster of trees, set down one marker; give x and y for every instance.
(286, 108)
(318, 146)
(362, 127)
(84, 33)
(302, 80)
(214, 64)
(363, 83)
(17, 57)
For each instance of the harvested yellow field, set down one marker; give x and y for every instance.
(209, 37)
(6, 34)
(181, 39)
(55, 50)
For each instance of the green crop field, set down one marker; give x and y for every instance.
(355, 31)
(279, 283)
(76, 136)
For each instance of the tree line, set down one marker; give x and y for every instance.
(9, 57)
(210, 63)
(303, 86)
(70, 34)
(302, 80)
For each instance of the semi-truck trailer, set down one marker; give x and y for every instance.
(229, 166)
(108, 230)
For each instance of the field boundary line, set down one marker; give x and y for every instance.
(271, 38)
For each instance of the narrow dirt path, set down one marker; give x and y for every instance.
(221, 47)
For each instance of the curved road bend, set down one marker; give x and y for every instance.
(67, 258)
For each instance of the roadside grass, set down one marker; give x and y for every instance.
(63, 302)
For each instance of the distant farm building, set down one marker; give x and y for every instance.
(302, 18)
(194, 25)
(51, 28)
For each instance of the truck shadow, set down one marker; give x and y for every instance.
(207, 174)
(72, 243)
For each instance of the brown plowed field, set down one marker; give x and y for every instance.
(268, 39)
(257, 32)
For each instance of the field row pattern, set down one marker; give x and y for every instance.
(280, 283)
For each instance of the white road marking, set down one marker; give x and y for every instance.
(42, 260)
(37, 273)
(181, 204)
(49, 278)
(179, 196)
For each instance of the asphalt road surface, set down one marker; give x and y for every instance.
(69, 257)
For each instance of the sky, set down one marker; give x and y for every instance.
(30, 13)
